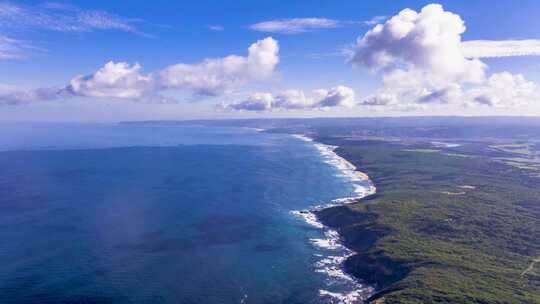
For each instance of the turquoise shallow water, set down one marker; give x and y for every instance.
(105, 213)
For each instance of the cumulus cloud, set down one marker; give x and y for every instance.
(295, 25)
(214, 76)
(444, 95)
(255, 102)
(340, 96)
(499, 90)
(210, 77)
(113, 80)
(423, 62)
(381, 99)
(119, 80)
(502, 48)
(429, 41)
(337, 96)
(503, 90)
(406, 89)
(292, 99)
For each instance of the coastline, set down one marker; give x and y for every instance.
(346, 167)
(411, 241)
(335, 265)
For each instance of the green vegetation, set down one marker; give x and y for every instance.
(525, 156)
(456, 217)
(520, 148)
(442, 228)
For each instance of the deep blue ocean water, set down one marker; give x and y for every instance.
(115, 213)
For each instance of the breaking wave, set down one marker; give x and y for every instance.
(341, 287)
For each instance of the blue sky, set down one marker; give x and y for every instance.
(165, 33)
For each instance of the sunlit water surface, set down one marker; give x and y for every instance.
(118, 213)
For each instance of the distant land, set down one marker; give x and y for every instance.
(456, 216)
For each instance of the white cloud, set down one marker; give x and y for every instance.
(53, 17)
(381, 99)
(337, 96)
(122, 80)
(423, 62)
(292, 99)
(62, 18)
(443, 95)
(499, 90)
(375, 20)
(295, 25)
(429, 41)
(28, 96)
(13, 49)
(406, 89)
(119, 80)
(215, 76)
(255, 102)
(340, 96)
(501, 48)
(504, 90)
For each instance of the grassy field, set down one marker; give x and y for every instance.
(442, 228)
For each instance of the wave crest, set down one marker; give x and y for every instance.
(345, 288)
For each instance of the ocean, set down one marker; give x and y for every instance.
(142, 213)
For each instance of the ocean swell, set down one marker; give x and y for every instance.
(341, 287)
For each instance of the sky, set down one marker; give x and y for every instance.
(112, 61)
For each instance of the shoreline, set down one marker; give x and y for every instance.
(346, 167)
(332, 265)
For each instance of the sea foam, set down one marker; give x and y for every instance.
(342, 287)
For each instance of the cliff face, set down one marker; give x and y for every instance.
(359, 232)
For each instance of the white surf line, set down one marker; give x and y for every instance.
(331, 264)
